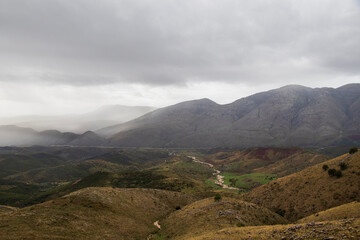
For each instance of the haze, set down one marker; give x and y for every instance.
(62, 57)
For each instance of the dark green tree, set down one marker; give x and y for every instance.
(331, 172)
(325, 167)
(217, 197)
(353, 150)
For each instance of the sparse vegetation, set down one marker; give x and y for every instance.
(353, 150)
(332, 172)
(343, 166)
(217, 197)
(338, 174)
(325, 167)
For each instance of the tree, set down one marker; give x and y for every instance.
(343, 166)
(353, 150)
(217, 197)
(331, 172)
(338, 173)
(325, 167)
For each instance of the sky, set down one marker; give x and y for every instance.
(73, 56)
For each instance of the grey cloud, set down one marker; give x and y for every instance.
(162, 42)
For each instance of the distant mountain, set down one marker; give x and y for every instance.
(79, 123)
(18, 136)
(289, 116)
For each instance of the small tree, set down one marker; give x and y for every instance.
(353, 150)
(325, 167)
(338, 173)
(343, 166)
(217, 197)
(331, 172)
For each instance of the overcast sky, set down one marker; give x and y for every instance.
(66, 56)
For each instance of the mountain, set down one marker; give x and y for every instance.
(78, 123)
(312, 189)
(18, 136)
(289, 116)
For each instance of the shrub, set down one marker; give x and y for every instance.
(240, 224)
(343, 166)
(325, 167)
(177, 208)
(338, 173)
(217, 197)
(331, 172)
(353, 150)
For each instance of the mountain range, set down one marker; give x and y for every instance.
(289, 116)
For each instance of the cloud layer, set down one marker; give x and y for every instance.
(178, 44)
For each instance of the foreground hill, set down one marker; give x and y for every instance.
(311, 190)
(288, 116)
(208, 215)
(93, 213)
(340, 229)
(345, 211)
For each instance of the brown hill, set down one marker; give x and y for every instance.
(345, 211)
(340, 229)
(93, 213)
(208, 215)
(311, 190)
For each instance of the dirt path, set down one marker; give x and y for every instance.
(219, 178)
(157, 224)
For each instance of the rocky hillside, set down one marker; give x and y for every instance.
(311, 190)
(288, 116)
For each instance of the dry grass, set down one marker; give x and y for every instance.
(349, 210)
(93, 213)
(340, 229)
(208, 215)
(311, 190)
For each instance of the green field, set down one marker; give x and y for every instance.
(247, 181)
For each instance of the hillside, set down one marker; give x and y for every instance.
(207, 215)
(345, 211)
(288, 116)
(340, 229)
(311, 190)
(93, 213)
(281, 161)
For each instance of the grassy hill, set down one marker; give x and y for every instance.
(311, 190)
(209, 215)
(340, 229)
(345, 211)
(93, 213)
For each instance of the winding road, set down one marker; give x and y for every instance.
(219, 178)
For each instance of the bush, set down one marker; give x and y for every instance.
(331, 172)
(325, 167)
(353, 150)
(343, 166)
(177, 208)
(338, 173)
(240, 224)
(217, 197)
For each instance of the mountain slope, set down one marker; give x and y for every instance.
(291, 115)
(311, 190)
